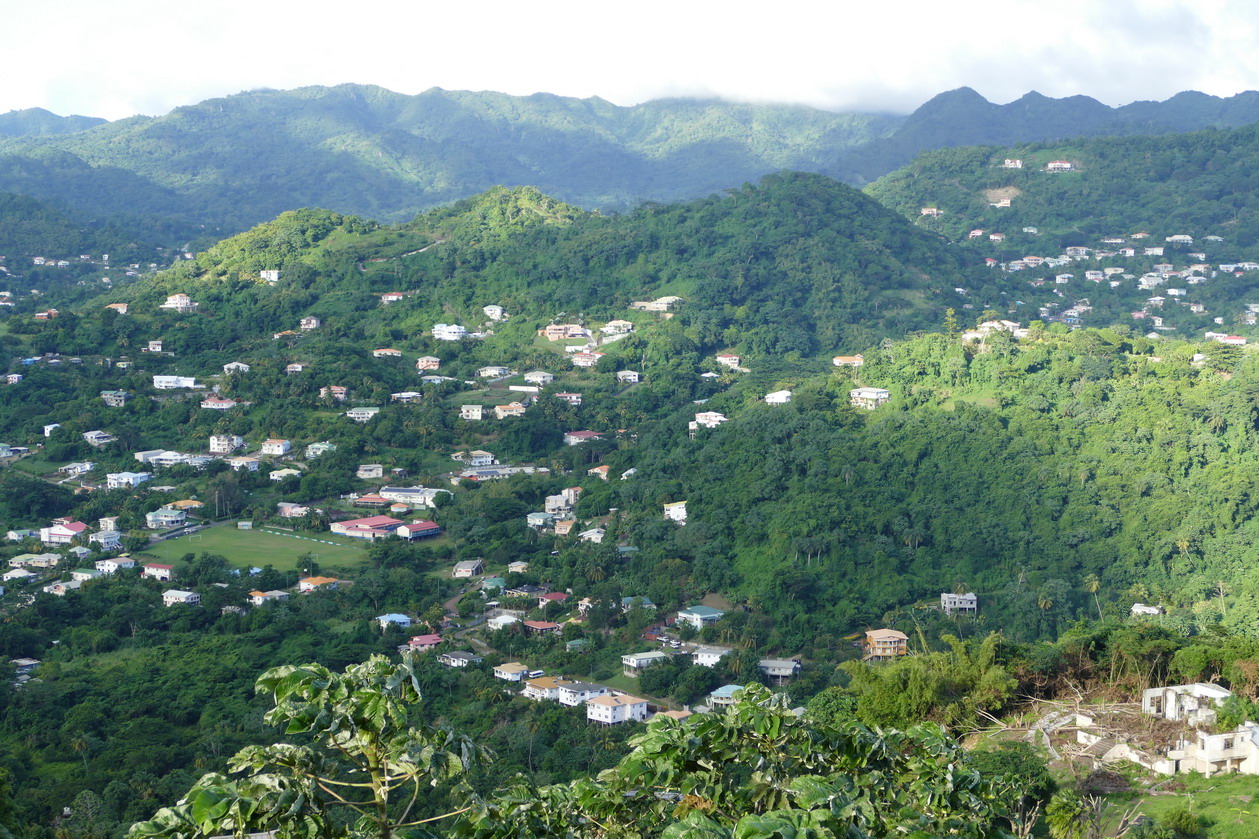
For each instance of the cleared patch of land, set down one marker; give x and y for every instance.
(247, 548)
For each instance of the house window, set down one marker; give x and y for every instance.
(1228, 744)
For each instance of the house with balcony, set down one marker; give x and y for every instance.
(164, 518)
(967, 604)
(868, 398)
(885, 644)
(616, 709)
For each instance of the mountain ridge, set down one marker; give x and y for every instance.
(231, 162)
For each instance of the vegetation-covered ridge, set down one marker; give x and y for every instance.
(799, 263)
(1198, 183)
(231, 162)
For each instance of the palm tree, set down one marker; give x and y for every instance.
(1091, 585)
(79, 744)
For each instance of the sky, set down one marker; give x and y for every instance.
(124, 57)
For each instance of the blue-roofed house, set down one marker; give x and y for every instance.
(393, 619)
(723, 696)
(628, 603)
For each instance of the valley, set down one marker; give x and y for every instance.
(744, 451)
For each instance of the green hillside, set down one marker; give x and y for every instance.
(1199, 184)
(1062, 477)
(232, 162)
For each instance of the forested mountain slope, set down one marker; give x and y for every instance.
(1202, 183)
(964, 118)
(798, 264)
(232, 162)
(37, 121)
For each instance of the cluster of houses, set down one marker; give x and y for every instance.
(1197, 742)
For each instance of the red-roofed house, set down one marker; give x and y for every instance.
(373, 527)
(418, 530)
(158, 571)
(423, 643)
(371, 501)
(553, 597)
(573, 438)
(541, 627)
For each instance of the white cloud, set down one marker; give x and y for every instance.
(129, 56)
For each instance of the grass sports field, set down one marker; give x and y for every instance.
(246, 548)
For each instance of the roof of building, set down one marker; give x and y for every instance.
(616, 701)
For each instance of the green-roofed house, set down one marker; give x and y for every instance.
(700, 616)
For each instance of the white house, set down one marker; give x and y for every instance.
(468, 568)
(676, 512)
(494, 312)
(573, 694)
(235, 367)
(511, 672)
(708, 419)
(179, 303)
(778, 397)
(175, 596)
(174, 382)
(113, 566)
(629, 377)
(62, 532)
(539, 377)
(164, 518)
(779, 670)
(126, 480)
(967, 603)
(158, 571)
(726, 359)
(708, 656)
(700, 616)
(470, 413)
(225, 443)
(1144, 609)
(868, 398)
(362, 414)
(633, 663)
(277, 447)
(367, 471)
(492, 371)
(448, 331)
(612, 710)
(459, 659)
(108, 540)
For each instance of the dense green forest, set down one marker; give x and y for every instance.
(225, 164)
